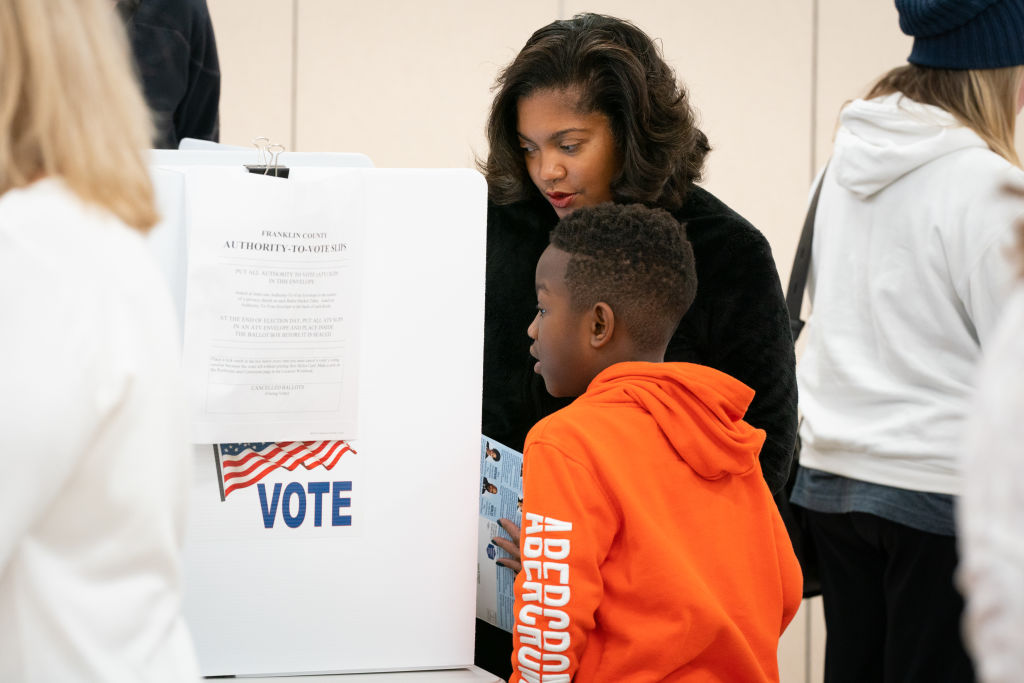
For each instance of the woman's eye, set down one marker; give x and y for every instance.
(570, 149)
(541, 311)
(527, 150)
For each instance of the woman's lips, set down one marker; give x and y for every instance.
(560, 200)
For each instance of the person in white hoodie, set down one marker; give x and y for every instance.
(909, 274)
(93, 451)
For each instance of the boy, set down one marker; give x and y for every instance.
(651, 547)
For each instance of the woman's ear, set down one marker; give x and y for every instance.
(602, 325)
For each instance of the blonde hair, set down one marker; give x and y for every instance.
(984, 100)
(70, 106)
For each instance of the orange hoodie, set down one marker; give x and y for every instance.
(652, 549)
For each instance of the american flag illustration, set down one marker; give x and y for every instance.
(243, 464)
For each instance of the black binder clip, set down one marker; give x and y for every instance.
(267, 154)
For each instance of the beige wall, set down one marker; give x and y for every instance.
(407, 82)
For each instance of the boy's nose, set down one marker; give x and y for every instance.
(531, 331)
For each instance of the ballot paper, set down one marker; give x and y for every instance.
(272, 306)
(501, 496)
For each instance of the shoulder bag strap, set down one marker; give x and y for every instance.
(801, 264)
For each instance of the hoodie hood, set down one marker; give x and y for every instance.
(699, 409)
(883, 139)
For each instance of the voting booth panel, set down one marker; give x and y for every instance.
(369, 564)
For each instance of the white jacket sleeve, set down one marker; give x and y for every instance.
(991, 511)
(54, 396)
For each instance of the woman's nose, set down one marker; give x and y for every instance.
(551, 168)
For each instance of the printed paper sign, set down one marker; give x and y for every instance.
(272, 309)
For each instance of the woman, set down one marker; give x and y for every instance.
(589, 112)
(94, 458)
(909, 276)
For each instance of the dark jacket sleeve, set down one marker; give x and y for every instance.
(176, 56)
(739, 323)
(514, 398)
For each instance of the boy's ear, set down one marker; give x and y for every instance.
(602, 325)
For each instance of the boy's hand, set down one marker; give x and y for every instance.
(511, 547)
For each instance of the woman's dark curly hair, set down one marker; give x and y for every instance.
(617, 71)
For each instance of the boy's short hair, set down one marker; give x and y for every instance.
(635, 259)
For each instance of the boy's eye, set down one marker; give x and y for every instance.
(541, 311)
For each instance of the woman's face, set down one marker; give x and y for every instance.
(570, 156)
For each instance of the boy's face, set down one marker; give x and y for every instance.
(560, 335)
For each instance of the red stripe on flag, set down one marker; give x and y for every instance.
(315, 454)
(275, 456)
(256, 476)
(336, 455)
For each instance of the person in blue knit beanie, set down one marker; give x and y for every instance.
(909, 275)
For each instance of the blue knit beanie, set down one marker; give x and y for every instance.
(964, 34)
